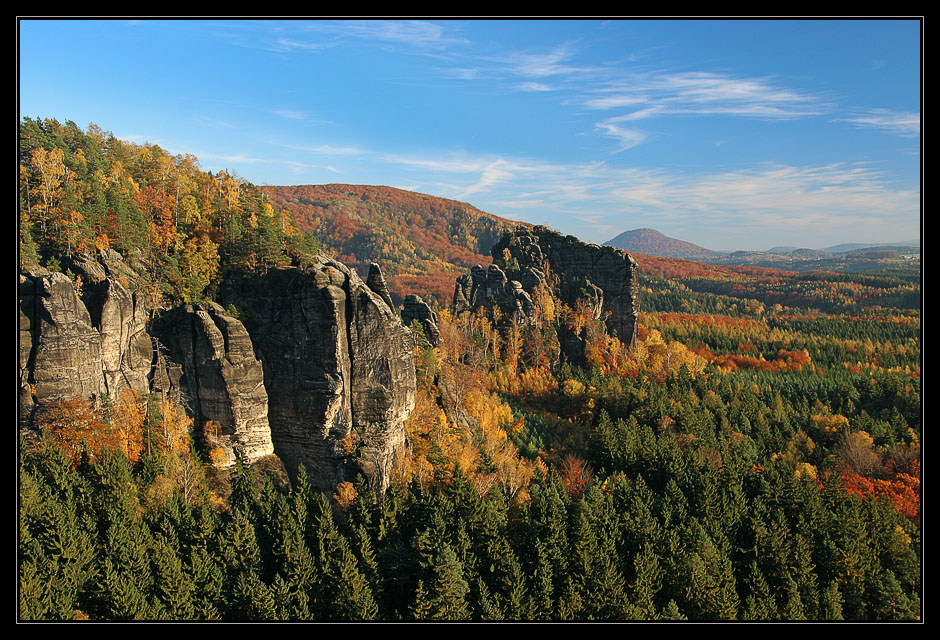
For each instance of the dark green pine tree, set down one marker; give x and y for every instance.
(241, 562)
(853, 559)
(647, 584)
(421, 607)
(208, 580)
(802, 571)
(545, 529)
(245, 496)
(543, 605)
(61, 541)
(251, 599)
(671, 612)
(173, 585)
(340, 591)
(486, 606)
(507, 579)
(830, 605)
(35, 598)
(447, 588)
(793, 607)
(291, 559)
(122, 598)
(595, 568)
(891, 602)
(711, 593)
(127, 577)
(759, 605)
(291, 604)
(362, 547)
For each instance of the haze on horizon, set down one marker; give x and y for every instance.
(733, 135)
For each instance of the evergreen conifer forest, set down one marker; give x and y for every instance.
(755, 455)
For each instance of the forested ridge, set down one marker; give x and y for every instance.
(755, 455)
(422, 242)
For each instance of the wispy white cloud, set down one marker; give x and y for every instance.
(215, 122)
(611, 102)
(545, 64)
(415, 33)
(535, 86)
(463, 73)
(903, 123)
(314, 36)
(705, 93)
(628, 138)
(518, 204)
(235, 159)
(821, 198)
(286, 45)
(329, 149)
(821, 202)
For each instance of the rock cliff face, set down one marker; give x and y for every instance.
(338, 369)
(602, 278)
(219, 379)
(417, 310)
(321, 372)
(86, 342)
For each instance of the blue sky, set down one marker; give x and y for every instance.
(729, 134)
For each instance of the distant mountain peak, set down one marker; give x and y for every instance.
(652, 242)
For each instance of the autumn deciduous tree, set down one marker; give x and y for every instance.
(128, 419)
(576, 475)
(75, 425)
(858, 454)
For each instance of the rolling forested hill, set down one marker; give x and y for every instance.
(422, 242)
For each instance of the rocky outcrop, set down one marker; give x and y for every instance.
(84, 335)
(376, 282)
(321, 372)
(491, 287)
(338, 369)
(603, 277)
(417, 310)
(220, 381)
(600, 280)
(90, 336)
(60, 350)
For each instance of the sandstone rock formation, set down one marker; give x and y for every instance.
(603, 276)
(491, 287)
(338, 369)
(220, 381)
(83, 336)
(602, 279)
(321, 372)
(417, 310)
(90, 336)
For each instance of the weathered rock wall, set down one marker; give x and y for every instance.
(87, 341)
(605, 277)
(220, 381)
(321, 372)
(91, 336)
(338, 368)
(602, 279)
(417, 310)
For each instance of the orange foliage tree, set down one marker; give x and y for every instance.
(76, 425)
(128, 420)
